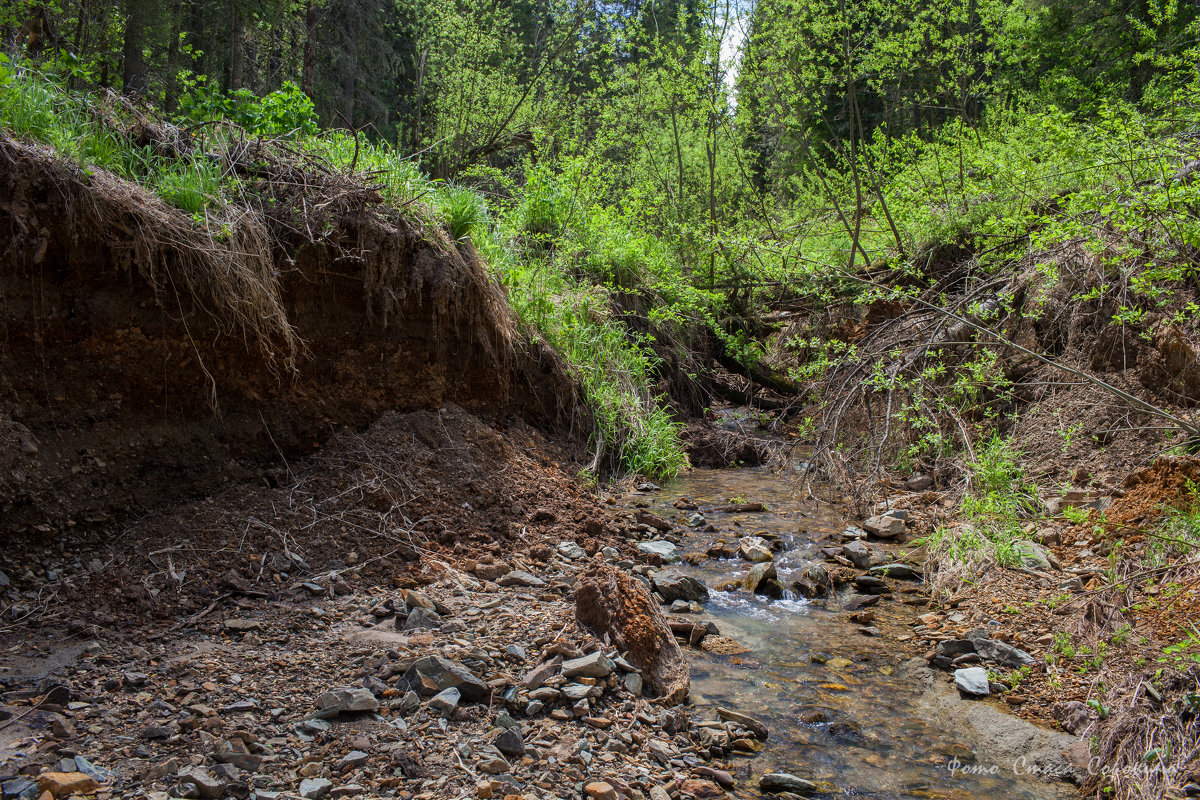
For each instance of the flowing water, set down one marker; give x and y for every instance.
(840, 707)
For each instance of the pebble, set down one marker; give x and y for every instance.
(66, 783)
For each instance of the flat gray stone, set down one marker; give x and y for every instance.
(972, 682)
(433, 674)
(571, 551)
(445, 701)
(520, 578)
(347, 700)
(593, 665)
(667, 551)
(315, 788)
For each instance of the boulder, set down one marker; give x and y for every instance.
(813, 582)
(674, 585)
(1034, 556)
(520, 579)
(1003, 654)
(897, 570)
(619, 609)
(743, 721)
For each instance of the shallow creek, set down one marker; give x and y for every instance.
(840, 707)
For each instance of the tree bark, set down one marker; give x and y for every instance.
(133, 59)
(310, 49)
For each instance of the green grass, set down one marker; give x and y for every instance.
(996, 506)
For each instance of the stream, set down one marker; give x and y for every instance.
(841, 709)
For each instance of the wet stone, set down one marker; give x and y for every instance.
(779, 782)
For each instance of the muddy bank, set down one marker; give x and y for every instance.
(145, 358)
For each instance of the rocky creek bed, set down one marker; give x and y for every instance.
(471, 677)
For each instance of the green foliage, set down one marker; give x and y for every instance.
(997, 503)
(284, 112)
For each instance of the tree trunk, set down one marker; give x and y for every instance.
(133, 60)
(237, 56)
(310, 48)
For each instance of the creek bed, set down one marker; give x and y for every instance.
(841, 707)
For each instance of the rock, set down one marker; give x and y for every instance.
(667, 551)
(721, 777)
(620, 609)
(593, 665)
(700, 789)
(756, 580)
(972, 682)
(952, 648)
(92, 771)
(346, 700)
(490, 571)
(863, 555)
(445, 701)
(674, 585)
(242, 625)
(919, 483)
(1004, 654)
(1034, 556)
(433, 674)
(355, 758)
(633, 684)
(509, 743)
(541, 673)
(600, 790)
(779, 782)
(814, 582)
(522, 579)
(315, 788)
(871, 584)
(422, 618)
(741, 720)
(494, 765)
(884, 526)
(196, 781)
(61, 784)
(755, 549)
(515, 651)
(1072, 715)
(571, 551)
(903, 572)
(861, 601)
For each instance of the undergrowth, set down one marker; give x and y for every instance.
(997, 505)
